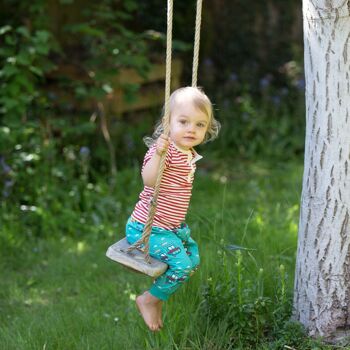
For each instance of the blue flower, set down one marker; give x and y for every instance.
(6, 169)
(84, 152)
(7, 188)
(208, 62)
(300, 84)
(276, 100)
(233, 77)
(265, 81)
(129, 141)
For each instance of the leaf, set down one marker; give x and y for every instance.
(5, 29)
(130, 5)
(107, 88)
(237, 247)
(42, 35)
(86, 29)
(6, 52)
(23, 31)
(181, 46)
(10, 40)
(9, 70)
(23, 58)
(36, 71)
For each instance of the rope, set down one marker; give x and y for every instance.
(196, 43)
(144, 240)
(153, 205)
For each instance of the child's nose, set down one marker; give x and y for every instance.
(191, 128)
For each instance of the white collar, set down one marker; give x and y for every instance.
(196, 156)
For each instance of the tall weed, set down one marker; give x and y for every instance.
(236, 299)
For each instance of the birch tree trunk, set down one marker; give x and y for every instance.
(322, 281)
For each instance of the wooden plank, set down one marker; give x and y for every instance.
(135, 260)
(150, 94)
(145, 98)
(156, 73)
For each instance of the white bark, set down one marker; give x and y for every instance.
(322, 281)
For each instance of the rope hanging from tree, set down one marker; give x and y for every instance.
(197, 37)
(144, 240)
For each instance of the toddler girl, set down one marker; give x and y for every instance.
(191, 123)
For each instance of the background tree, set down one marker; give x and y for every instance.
(322, 282)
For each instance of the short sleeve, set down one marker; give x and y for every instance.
(150, 154)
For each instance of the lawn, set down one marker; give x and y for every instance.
(61, 292)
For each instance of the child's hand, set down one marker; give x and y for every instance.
(162, 144)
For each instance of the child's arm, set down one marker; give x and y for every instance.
(150, 170)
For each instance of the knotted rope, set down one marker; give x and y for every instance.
(196, 43)
(144, 240)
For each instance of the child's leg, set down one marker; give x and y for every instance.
(165, 246)
(191, 247)
(192, 251)
(150, 308)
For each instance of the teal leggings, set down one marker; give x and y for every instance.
(176, 248)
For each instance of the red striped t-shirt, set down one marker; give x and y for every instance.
(175, 189)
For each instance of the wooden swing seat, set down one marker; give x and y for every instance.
(135, 259)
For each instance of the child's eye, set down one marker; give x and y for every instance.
(182, 121)
(201, 125)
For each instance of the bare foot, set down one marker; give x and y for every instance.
(149, 308)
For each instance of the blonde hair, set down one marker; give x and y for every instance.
(201, 101)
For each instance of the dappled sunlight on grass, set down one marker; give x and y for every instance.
(68, 283)
(81, 247)
(258, 219)
(293, 217)
(256, 211)
(37, 298)
(27, 295)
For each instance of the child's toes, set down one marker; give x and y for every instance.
(155, 327)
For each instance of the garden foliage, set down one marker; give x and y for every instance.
(55, 177)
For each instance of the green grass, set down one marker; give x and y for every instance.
(63, 293)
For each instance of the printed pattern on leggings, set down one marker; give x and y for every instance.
(182, 256)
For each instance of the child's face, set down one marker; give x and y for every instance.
(188, 124)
